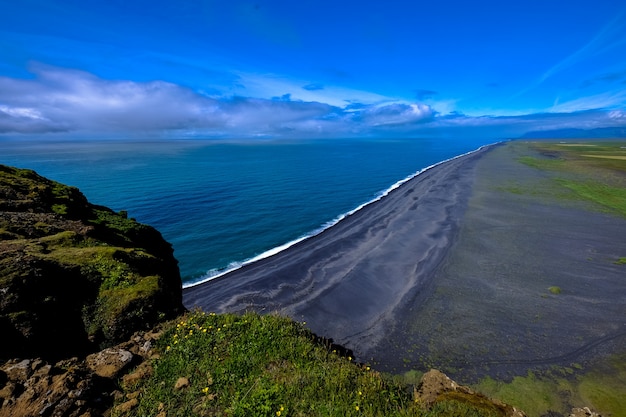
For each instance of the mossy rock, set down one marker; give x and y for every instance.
(74, 276)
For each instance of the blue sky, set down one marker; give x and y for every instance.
(285, 69)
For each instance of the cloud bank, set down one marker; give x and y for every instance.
(70, 102)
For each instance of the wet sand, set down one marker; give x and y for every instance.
(451, 270)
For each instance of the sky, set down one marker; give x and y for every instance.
(309, 69)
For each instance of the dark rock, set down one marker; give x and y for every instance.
(110, 362)
(72, 387)
(436, 386)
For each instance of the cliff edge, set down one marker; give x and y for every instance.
(76, 277)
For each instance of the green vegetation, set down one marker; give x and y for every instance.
(589, 172)
(253, 365)
(612, 199)
(555, 290)
(542, 163)
(603, 389)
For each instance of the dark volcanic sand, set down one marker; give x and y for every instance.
(450, 270)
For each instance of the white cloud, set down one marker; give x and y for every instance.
(272, 85)
(79, 100)
(80, 103)
(397, 114)
(618, 115)
(604, 100)
(21, 112)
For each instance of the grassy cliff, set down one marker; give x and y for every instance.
(75, 276)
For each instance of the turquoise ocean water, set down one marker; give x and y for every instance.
(221, 203)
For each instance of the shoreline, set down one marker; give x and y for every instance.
(349, 281)
(451, 270)
(491, 311)
(273, 251)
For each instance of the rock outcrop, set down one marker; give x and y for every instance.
(76, 387)
(76, 277)
(436, 386)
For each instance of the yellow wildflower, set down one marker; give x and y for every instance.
(357, 408)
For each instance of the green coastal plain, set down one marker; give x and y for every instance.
(207, 364)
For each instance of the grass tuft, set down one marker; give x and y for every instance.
(555, 290)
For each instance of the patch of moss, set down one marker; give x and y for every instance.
(612, 199)
(542, 163)
(585, 173)
(602, 388)
(605, 387)
(59, 209)
(119, 222)
(531, 394)
(459, 404)
(120, 308)
(555, 290)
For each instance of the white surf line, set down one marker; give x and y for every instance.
(233, 266)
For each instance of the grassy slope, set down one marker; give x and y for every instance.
(255, 365)
(598, 183)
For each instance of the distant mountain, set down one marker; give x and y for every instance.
(602, 132)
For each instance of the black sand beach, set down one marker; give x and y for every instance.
(450, 270)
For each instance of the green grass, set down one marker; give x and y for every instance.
(535, 396)
(542, 163)
(576, 176)
(612, 199)
(603, 389)
(252, 365)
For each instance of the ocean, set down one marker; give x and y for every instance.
(224, 203)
